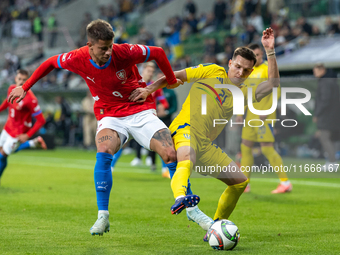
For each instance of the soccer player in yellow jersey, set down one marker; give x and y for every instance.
(194, 128)
(264, 134)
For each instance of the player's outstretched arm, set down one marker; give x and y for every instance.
(45, 68)
(4, 105)
(265, 88)
(140, 94)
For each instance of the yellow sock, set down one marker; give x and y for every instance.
(247, 158)
(179, 181)
(228, 200)
(275, 160)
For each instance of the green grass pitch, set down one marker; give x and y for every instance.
(48, 204)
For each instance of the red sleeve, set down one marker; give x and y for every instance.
(40, 121)
(45, 68)
(141, 53)
(158, 54)
(4, 105)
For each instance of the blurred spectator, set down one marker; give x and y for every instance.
(250, 34)
(89, 121)
(206, 23)
(326, 112)
(331, 27)
(256, 21)
(192, 21)
(64, 122)
(211, 46)
(220, 12)
(38, 26)
(82, 29)
(190, 8)
(250, 7)
(274, 6)
(52, 26)
(306, 27)
(50, 124)
(334, 7)
(111, 14)
(145, 37)
(316, 31)
(125, 6)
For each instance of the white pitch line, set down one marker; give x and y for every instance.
(79, 164)
(306, 183)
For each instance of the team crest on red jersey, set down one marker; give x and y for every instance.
(121, 75)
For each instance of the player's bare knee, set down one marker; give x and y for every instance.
(104, 148)
(170, 155)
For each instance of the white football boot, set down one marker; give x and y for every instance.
(102, 225)
(196, 215)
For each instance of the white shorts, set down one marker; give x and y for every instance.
(8, 143)
(141, 126)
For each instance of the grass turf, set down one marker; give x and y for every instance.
(48, 205)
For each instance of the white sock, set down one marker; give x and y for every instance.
(189, 209)
(285, 183)
(31, 143)
(103, 212)
(179, 197)
(164, 169)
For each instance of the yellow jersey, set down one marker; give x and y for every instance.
(260, 74)
(219, 101)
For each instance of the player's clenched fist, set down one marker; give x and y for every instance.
(17, 92)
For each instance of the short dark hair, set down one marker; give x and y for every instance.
(99, 30)
(254, 46)
(22, 72)
(246, 53)
(319, 66)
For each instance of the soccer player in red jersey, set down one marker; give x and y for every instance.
(18, 128)
(111, 74)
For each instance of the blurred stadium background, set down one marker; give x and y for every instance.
(190, 32)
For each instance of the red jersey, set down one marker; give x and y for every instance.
(20, 114)
(111, 84)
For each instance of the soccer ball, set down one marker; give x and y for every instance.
(223, 235)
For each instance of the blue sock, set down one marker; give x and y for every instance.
(172, 169)
(103, 179)
(3, 163)
(163, 163)
(23, 146)
(116, 157)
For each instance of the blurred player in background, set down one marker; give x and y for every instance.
(89, 120)
(111, 74)
(18, 128)
(264, 134)
(193, 132)
(147, 75)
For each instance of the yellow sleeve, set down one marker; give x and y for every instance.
(204, 71)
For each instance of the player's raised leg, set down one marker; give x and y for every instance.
(108, 142)
(37, 142)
